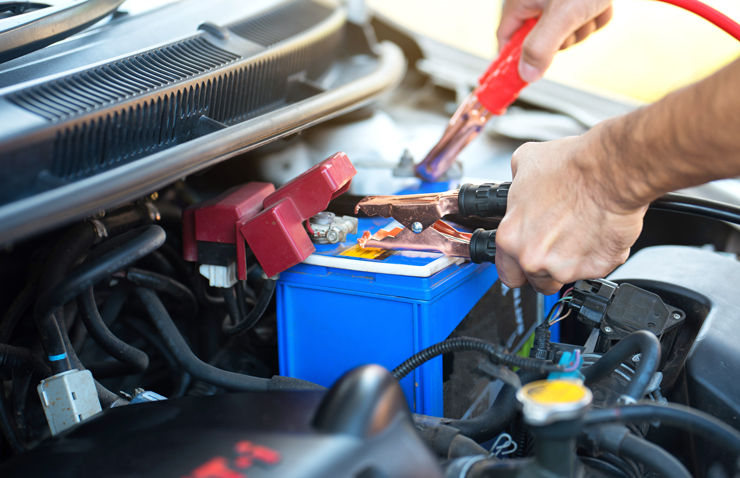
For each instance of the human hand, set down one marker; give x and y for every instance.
(562, 222)
(562, 23)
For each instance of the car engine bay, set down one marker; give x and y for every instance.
(184, 293)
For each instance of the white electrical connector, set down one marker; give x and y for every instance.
(219, 276)
(68, 398)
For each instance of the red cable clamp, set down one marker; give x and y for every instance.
(500, 85)
(271, 222)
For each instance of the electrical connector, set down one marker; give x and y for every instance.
(144, 396)
(326, 228)
(620, 309)
(68, 398)
(591, 298)
(219, 276)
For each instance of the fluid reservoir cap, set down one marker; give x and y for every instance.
(548, 401)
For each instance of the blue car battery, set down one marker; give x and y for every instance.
(346, 306)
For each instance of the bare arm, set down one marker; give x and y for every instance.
(689, 137)
(576, 204)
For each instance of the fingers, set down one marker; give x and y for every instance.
(556, 230)
(545, 284)
(515, 272)
(587, 29)
(513, 276)
(509, 24)
(513, 15)
(508, 269)
(561, 24)
(604, 17)
(518, 263)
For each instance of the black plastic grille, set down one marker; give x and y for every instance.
(281, 23)
(97, 87)
(177, 117)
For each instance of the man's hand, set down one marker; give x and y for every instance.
(561, 221)
(562, 23)
(576, 205)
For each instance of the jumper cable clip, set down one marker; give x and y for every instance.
(497, 89)
(424, 228)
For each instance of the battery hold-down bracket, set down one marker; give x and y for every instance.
(216, 232)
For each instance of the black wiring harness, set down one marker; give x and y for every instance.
(495, 352)
(117, 282)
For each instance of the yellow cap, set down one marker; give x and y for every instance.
(548, 401)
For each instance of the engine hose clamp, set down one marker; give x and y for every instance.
(503, 445)
(468, 463)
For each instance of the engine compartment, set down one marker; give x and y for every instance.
(246, 373)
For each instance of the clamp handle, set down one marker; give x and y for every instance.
(500, 84)
(483, 246)
(484, 200)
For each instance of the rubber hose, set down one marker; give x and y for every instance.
(128, 354)
(18, 398)
(67, 251)
(679, 416)
(652, 457)
(106, 397)
(6, 425)
(232, 305)
(438, 437)
(682, 203)
(460, 344)
(254, 315)
(145, 331)
(109, 368)
(13, 357)
(114, 304)
(643, 342)
(186, 358)
(184, 269)
(18, 308)
(11, 318)
(490, 423)
(128, 217)
(464, 446)
(486, 425)
(145, 240)
(166, 285)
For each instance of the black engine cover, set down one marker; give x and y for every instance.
(295, 434)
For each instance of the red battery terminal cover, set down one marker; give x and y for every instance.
(269, 220)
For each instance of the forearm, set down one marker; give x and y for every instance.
(576, 205)
(689, 137)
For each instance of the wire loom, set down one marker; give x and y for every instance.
(496, 352)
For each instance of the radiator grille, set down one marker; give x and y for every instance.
(282, 22)
(149, 126)
(107, 84)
